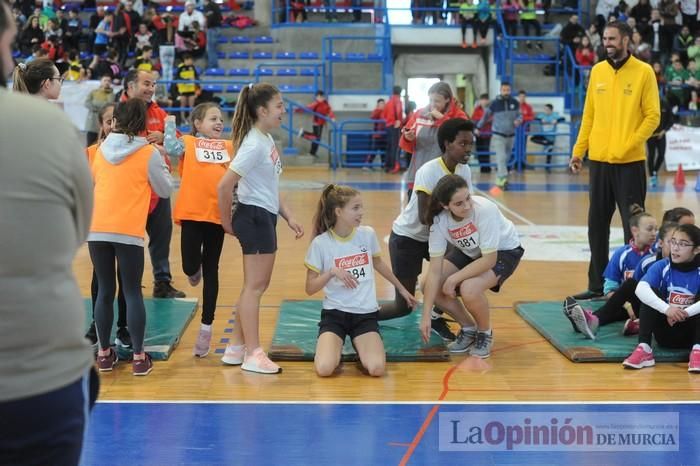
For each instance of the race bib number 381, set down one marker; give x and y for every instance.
(465, 236)
(357, 265)
(211, 151)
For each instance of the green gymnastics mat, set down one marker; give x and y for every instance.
(297, 331)
(166, 320)
(548, 318)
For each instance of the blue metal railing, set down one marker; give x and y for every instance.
(318, 75)
(357, 145)
(575, 78)
(295, 108)
(382, 54)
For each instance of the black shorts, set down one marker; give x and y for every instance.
(255, 228)
(407, 255)
(346, 323)
(506, 263)
(187, 94)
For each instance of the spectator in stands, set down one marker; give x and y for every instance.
(143, 38)
(641, 13)
(212, 12)
(145, 60)
(483, 140)
(693, 75)
(37, 52)
(482, 20)
(689, 13)
(134, 17)
(108, 65)
(378, 143)
(97, 99)
(187, 91)
(467, 13)
(694, 50)
(53, 48)
(659, 73)
(526, 112)
(603, 9)
(572, 33)
(103, 33)
(681, 43)
(94, 21)
(528, 18)
(595, 39)
(321, 106)
(31, 35)
(331, 10)
(620, 11)
(640, 49)
(510, 11)
(676, 76)
(189, 16)
(75, 71)
(74, 30)
(393, 115)
(668, 9)
(506, 118)
(52, 30)
(656, 36)
(121, 33)
(40, 77)
(585, 55)
(548, 120)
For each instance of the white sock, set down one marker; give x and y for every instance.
(487, 331)
(696, 347)
(645, 347)
(235, 347)
(205, 327)
(469, 328)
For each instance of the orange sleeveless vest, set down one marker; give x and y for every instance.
(203, 164)
(122, 194)
(90, 152)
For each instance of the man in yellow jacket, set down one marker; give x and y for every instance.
(621, 112)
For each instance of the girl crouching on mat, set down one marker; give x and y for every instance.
(620, 282)
(341, 260)
(670, 310)
(486, 252)
(205, 160)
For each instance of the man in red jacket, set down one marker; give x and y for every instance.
(322, 107)
(139, 84)
(393, 116)
(525, 108)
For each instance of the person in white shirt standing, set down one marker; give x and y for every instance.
(408, 242)
(255, 172)
(189, 16)
(486, 251)
(341, 260)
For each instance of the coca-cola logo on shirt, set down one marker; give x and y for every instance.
(211, 144)
(464, 231)
(680, 299)
(350, 262)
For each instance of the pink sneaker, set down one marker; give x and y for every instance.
(585, 321)
(196, 278)
(631, 327)
(639, 359)
(694, 362)
(258, 361)
(233, 356)
(201, 347)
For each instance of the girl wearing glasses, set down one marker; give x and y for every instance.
(38, 77)
(670, 308)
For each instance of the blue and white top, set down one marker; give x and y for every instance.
(674, 287)
(621, 266)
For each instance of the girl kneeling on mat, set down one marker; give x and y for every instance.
(486, 252)
(205, 160)
(341, 260)
(670, 308)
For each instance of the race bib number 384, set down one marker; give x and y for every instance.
(211, 151)
(357, 265)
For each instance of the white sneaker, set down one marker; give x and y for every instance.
(233, 356)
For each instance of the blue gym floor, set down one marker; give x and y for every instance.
(192, 433)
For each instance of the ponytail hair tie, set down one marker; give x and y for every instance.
(250, 86)
(23, 67)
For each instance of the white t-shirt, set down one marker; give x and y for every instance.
(484, 231)
(427, 177)
(353, 254)
(259, 165)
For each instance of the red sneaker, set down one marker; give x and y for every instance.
(142, 367)
(639, 359)
(694, 362)
(107, 363)
(631, 327)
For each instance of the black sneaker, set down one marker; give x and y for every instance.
(588, 294)
(568, 306)
(91, 334)
(166, 290)
(439, 327)
(123, 337)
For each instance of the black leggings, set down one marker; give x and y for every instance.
(130, 261)
(464, 22)
(121, 302)
(201, 245)
(482, 26)
(656, 151)
(613, 310)
(526, 23)
(682, 335)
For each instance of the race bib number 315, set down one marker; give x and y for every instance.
(211, 151)
(357, 265)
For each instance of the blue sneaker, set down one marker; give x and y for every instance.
(653, 181)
